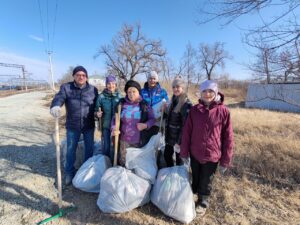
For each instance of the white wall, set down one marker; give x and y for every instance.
(283, 97)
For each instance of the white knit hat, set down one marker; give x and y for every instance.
(209, 84)
(152, 74)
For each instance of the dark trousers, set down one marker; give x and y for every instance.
(202, 175)
(168, 154)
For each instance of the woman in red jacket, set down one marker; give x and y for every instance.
(208, 140)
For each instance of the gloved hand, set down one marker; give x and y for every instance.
(185, 161)
(55, 111)
(222, 170)
(177, 148)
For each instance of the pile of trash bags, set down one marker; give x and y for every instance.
(123, 189)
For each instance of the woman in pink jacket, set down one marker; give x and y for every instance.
(208, 140)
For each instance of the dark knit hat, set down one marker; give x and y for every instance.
(79, 68)
(132, 83)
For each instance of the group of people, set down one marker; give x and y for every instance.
(201, 134)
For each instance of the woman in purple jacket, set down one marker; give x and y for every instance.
(208, 140)
(137, 120)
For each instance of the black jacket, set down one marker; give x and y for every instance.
(175, 121)
(80, 104)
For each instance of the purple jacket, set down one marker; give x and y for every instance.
(207, 134)
(131, 115)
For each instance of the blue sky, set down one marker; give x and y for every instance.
(83, 26)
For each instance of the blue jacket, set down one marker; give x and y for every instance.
(79, 103)
(107, 101)
(154, 95)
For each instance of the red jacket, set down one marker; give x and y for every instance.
(207, 134)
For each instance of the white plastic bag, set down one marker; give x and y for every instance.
(157, 108)
(121, 191)
(89, 175)
(173, 195)
(143, 160)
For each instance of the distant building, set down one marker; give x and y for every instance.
(280, 96)
(97, 80)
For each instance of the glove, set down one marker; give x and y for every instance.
(177, 148)
(185, 161)
(222, 170)
(55, 111)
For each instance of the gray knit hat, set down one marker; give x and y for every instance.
(179, 81)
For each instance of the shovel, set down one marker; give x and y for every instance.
(61, 212)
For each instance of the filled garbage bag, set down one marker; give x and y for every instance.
(89, 175)
(157, 108)
(142, 161)
(173, 195)
(121, 191)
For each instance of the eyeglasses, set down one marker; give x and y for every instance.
(80, 75)
(176, 86)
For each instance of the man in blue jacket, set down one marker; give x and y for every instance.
(79, 98)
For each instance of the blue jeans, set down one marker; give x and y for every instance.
(106, 143)
(72, 142)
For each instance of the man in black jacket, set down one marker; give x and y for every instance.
(79, 98)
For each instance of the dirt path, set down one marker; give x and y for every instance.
(28, 171)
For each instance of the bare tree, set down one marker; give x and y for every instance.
(131, 53)
(188, 64)
(278, 30)
(289, 61)
(67, 77)
(265, 66)
(211, 57)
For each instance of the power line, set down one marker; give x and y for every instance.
(41, 19)
(47, 7)
(54, 25)
(49, 40)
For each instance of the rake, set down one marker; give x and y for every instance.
(61, 212)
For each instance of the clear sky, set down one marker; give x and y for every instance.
(83, 26)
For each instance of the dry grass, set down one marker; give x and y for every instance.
(263, 187)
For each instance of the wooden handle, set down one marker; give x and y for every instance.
(117, 128)
(57, 143)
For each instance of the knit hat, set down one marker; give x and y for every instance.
(79, 68)
(110, 78)
(152, 74)
(178, 81)
(209, 84)
(132, 83)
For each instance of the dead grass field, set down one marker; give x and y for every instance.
(263, 187)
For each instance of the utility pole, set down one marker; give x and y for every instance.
(51, 71)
